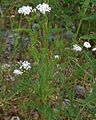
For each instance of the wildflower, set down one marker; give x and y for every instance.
(56, 56)
(17, 72)
(34, 10)
(57, 66)
(26, 10)
(25, 65)
(87, 45)
(43, 8)
(12, 16)
(15, 118)
(77, 48)
(94, 49)
(5, 66)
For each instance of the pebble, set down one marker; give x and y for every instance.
(68, 35)
(67, 102)
(80, 91)
(9, 39)
(36, 26)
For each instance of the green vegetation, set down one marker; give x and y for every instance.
(48, 60)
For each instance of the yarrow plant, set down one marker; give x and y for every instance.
(45, 72)
(77, 48)
(17, 72)
(5, 66)
(26, 10)
(25, 65)
(15, 118)
(57, 56)
(94, 49)
(87, 45)
(43, 8)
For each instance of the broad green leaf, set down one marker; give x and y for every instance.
(88, 37)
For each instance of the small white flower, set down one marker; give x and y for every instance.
(57, 66)
(15, 118)
(56, 56)
(12, 16)
(77, 48)
(5, 66)
(17, 72)
(43, 8)
(94, 49)
(26, 10)
(87, 45)
(25, 65)
(34, 10)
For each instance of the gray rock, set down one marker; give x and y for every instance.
(80, 91)
(68, 35)
(36, 26)
(67, 102)
(52, 37)
(9, 37)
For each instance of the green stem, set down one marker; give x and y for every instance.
(85, 5)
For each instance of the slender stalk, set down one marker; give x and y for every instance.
(85, 5)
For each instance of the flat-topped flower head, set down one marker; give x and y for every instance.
(25, 65)
(43, 8)
(34, 10)
(26, 10)
(94, 49)
(57, 56)
(17, 72)
(87, 45)
(15, 118)
(6, 66)
(77, 48)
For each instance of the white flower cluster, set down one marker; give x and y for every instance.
(15, 118)
(57, 56)
(26, 10)
(43, 8)
(17, 72)
(25, 65)
(94, 49)
(5, 66)
(87, 45)
(77, 48)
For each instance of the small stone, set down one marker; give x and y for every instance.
(68, 35)
(80, 91)
(52, 36)
(67, 102)
(36, 26)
